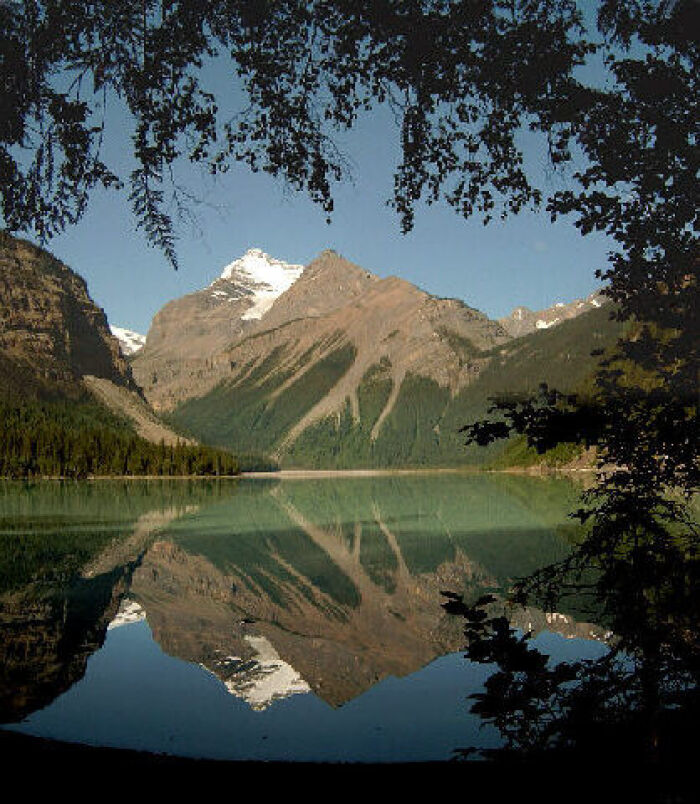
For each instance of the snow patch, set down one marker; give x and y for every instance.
(264, 679)
(129, 612)
(129, 340)
(542, 324)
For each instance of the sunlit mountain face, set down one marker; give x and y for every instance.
(242, 604)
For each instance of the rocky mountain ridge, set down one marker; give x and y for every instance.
(523, 320)
(332, 305)
(343, 368)
(51, 331)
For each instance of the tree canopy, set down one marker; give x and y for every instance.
(462, 78)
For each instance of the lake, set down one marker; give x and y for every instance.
(295, 619)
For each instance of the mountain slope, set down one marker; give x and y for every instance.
(184, 353)
(423, 427)
(56, 349)
(56, 344)
(51, 332)
(128, 403)
(349, 370)
(338, 339)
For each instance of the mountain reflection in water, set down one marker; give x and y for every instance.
(271, 590)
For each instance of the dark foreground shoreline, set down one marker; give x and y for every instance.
(51, 766)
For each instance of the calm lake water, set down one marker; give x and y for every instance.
(256, 619)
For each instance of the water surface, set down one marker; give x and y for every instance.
(255, 619)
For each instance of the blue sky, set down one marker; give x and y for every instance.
(525, 260)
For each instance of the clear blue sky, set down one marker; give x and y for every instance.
(525, 260)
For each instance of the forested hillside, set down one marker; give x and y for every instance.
(51, 335)
(257, 410)
(79, 438)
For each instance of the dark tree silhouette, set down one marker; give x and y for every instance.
(638, 560)
(461, 78)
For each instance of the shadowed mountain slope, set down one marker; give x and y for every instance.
(51, 332)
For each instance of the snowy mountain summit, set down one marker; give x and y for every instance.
(260, 277)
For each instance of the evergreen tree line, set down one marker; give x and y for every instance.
(54, 440)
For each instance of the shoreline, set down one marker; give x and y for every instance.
(308, 474)
(60, 763)
(301, 474)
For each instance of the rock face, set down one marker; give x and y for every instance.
(50, 329)
(235, 332)
(56, 342)
(184, 353)
(523, 320)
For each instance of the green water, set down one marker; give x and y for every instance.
(268, 595)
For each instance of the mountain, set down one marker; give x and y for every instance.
(129, 341)
(211, 336)
(68, 401)
(55, 342)
(523, 321)
(184, 355)
(259, 277)
(343, 369)
(51, 332)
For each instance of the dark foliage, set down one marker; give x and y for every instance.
(69, 439)
(461, 78)
(639, 559)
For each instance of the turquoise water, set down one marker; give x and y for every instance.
(255, 619)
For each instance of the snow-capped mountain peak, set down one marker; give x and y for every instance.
(263, 277)
(522, 320)
(129, 340)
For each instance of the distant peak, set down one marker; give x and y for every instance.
(130, 341)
